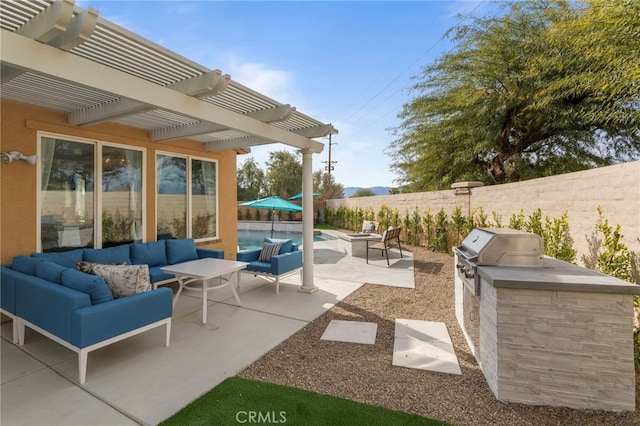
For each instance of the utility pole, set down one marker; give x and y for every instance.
(329, 164)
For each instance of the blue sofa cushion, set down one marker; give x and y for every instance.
(259, 267)
(25, 264)
(94, 286)
(116, 254)
(50, 271)
(66, 258)
(285, 245)
(151, 253)
(156, 274)
(179, 251)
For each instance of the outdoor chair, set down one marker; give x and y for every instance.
(390, 238)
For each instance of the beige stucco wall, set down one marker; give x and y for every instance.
(18, 192)
(615, 188)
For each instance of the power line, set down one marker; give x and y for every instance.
(419, 58)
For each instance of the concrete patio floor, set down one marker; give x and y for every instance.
(140, 381)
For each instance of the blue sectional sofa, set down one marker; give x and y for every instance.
(286, 262)
(46, 292)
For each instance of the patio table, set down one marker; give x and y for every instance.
(205, 270)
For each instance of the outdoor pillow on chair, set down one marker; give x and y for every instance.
(368, 226)
(268, 251)
(285, 245)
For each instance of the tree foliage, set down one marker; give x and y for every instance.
(325, 184)
(547, 87)
(284, 174)
(251, 180)
(363, 192)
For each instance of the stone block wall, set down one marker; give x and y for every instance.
(615, 188)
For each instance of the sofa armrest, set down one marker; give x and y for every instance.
(248, 255)
(96, 323)
(48, 305)
(210, 253)
(286, 262)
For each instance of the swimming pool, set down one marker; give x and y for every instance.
(250, 239)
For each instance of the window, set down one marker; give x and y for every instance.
(121, 196)
(73, 212)
(186, 197)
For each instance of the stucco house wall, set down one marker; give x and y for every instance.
(18, 188)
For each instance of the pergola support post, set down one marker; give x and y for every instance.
(308, 285)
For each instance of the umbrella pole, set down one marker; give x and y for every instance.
(273, 215)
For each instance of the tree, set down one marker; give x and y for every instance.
(284, 174)
(251, 180)
(546, 88)
(363, 192)
(324, 184)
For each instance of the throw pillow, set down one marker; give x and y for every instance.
(285, 245)
(87, 267)
(125, 280)
(369, 226)
(268, 251)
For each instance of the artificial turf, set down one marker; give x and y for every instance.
(243, 401)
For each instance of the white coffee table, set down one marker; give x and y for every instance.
(205, 270)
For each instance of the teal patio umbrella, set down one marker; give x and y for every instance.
(274, 203)
(299, 196)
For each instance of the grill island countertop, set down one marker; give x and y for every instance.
(555, 274)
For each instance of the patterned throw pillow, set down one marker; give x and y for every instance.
(87, 267)
(268, 251)
(124, 280)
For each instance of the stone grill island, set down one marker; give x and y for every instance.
(556, 334)
(544, 331)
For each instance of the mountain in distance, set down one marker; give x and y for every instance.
(378, 190)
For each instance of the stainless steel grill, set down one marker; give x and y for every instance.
(496, 247)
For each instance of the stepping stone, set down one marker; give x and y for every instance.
(351, 331)
(424, 345)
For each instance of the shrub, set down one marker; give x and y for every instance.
(615, 257)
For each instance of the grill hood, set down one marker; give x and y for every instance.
(502, 246)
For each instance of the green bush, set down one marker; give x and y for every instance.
(614, 258)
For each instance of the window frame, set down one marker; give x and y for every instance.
(97, 192)
(188, 173)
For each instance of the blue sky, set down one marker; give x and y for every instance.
(345, 63)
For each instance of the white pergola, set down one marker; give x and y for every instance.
(57, 55)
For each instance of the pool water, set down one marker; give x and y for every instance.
(250, 239)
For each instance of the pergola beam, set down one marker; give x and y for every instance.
(78, 31)
(185, 130)
(236, 143)
(50, 23)
(107, 111)
(211, 83)
(25, 53)
(316, 132)
(269, 115)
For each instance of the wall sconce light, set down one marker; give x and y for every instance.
(8, 157)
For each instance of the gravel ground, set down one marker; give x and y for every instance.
(364, 372)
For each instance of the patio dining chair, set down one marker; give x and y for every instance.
(390, 239)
